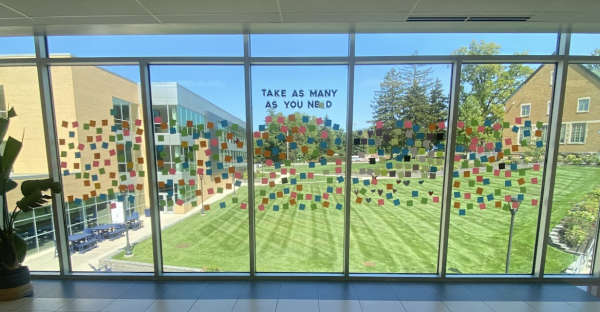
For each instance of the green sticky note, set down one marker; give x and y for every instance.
(86, 175)
(200, 127)
(220, 190)
(121, 158)
(219, 133)
(215, 157)
(315, 153)
(394, 142)
(120, 137)
(497, 134)
(313, 206)
(115, 183)
(524, 143)
(506, 207)
(86, 126)
(263, 192)
(329, 180)
(497, 192)
(234, 200)
(63, 154)
(539, 124)
(372, 150)
(165, 171)
(111, 192)
(312, 127)
(71, 146)
(172, 122)
(184, 132)
(506, 152)
(423, 200)
(136, 147)
(523, 189)
(101, 171)
(409, 203)
(163, 154)
(142, 174)
(286, 206)
(421, 151)
(505, 125)
(123, 177)
(287, 163)
(272, 127)
(78, 175)
(234, 127)
(474, 123)
(469, 206)
(300, 196)
(465, 164)
(363, 191)
(170, 202)
(476, 163)
(471, 183)
(98, 130)
(439, 154)
(194, 203)
(489, 168)
(111, 138)
(196, 147)
(190, 155)
(521, 172)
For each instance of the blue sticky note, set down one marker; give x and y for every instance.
(170, 193)
(327, 122)
(433, 169)
(293, 181)
(354, 180)
(420, 136)
(173, 130)
(207, 135)
(459, 148)
(65, 173)
(261, 128)
(222, 205)
(88, 167)
(480, 199)
(389, 196)
(78, 201)
(498, 145)
(329, 189)
(318, 198)
(272, 196)
(240, 159)
(323, 161)
(77, 155)
(304, 118)
(281, 137)
(336, 127)
(520, 197)
(396, 150)
(415, 193)
(259, 143)
(223, 123)
(224, 175)
(396, 202)
(440, 146)
(508, 183)
(513, 167)
(526, 133)
(484, 159)
(160, 148)
(104, 145)
(113, 128)
(131, 199)
(487, 123)
(416, 128)
(303, 175)
(277, 165)
(389, 165)
(472, 156)
(527, 123)
(486, 181)
(340, 179)
(302, 206)
(410, 142)
(208, 163)
(311, 164)
(293, 145)
(286, 190)
(94, 177)
(323, 144)
(120, 198)
(169, 182)
(185, 165)
(71, 134)
(462, 212)
(456, 194)
(275, 207)
(196, 136)
(310, 140)
(455, 174)
(220, 165)
(515, 129)
(93, 146)
(539, 144)
(208, 171)
(380, 152)
(490, 197)
(338, 206)
(371, 142)
(103, 197)
(338, 141)
(366, 182)
(238, 183)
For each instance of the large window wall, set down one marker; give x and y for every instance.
(342, 154)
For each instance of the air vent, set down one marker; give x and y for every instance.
(498, 19)
(436, 19)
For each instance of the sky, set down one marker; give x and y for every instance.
(223, 85)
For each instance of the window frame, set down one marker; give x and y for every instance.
(588, 104)
(521, 109)
(583, 135)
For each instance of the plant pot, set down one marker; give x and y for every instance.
(15, 284)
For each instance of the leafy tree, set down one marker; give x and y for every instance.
(596, 52)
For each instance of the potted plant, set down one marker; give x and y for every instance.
(15, 280)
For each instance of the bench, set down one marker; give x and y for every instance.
(87, 245)
(115, 233)
(136, 225)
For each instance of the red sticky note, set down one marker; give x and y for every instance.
(191, 182)
(99, 138)
(441, 125)
(497, 172)
(374, 181)
(268, 119)
(138, 139)
(63, 164)
(408, 124)
(126, 132)
(283, 170)
(257, 134)
(292, 171)
(507, 198)
(265, 181)
(380, 202)
(80, 147)
(534, 180)
(214, 142)
(157, 119)
(138, 122)
(338, 190)
(460, 124)
(507, 174)
(518, 120)
(96, 163)
(130, 187)
(207, 152)
(515, 204)
(294, 195)
(536, 167)
(324, 134)
(200, 171)
(479, 178)
(132, 173)
(261, 207)
(280, 119)
(107, 162)
(284, 129)
(508, 141)
(273, 175)
(325, 195)
(308, 196)
(243, 206)
(379, 125)
(302, 129)
(112, 152)
(180, 202)
(489, 145)
(497, 126)
(172, 171)
(457, 158)
(338, 170)
(467, 195)
(482, 206)
(319, 121)
(338, 161)
(269, 162)
(481, 129)
(436, 199)
(238, 175)
(75, 124)
(211, 191)
(534, 202)
(475, 170)
(311, 175)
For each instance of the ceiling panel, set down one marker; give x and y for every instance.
(21, 21)
(566, 17)
(206, 7)
(93, 20)
(35, 8)
(344, 17)
(487, 7)
(4, 13)
(220, 18)
(346, 6)
(586, 6)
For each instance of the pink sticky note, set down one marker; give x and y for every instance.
(191, 182)
(474, 140)
(261, 207)
(497, 172)
(338, 170)
(507, 198)
(200, 171)
(284, 129)
(113, 205)
(107, 162)
(207, 152)
(467, 195)
(460, 124)
(480, 149)
(534, 202)
(338, 190)
(214, 142)
(138, 122)
(308, 196)
(379, 125)
(283, 170)
(325, 195)
(441, 125)
(319, 121)
(536, 167)
(99, 138)
(436, 199)
(172, 171)
(408, 124)
(489, 145)
(294, 195)
(472, 147)
(534, 180)
(479, 178)
(280, 119)
(157, 119)
(374, 181)
(63, 165)
(515, 205)
(324, 134)
(507, 174)
(293, 171)
(310, 175)
(508, 141)
(265, 181)
(380, 202)
(75, 124)
(96, 163)
(475, 170)
(269, 162)
(211, 191)
(126, 132)
(81, 147)
(456, 157)
(138, 139)
(130, 187)
(238, 175)
(243, 206)
(302, 129)
(257, 134)
(132, 173)
(268, 119)
(481, 129)
(338, 161)
(518, 120)
(482, 206)
(180, 202)
(273, 175)
(497, 126)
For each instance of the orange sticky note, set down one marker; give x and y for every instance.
(479, 191)
(299, 187)
(467, 174)
(210, 125)
(456, 184)
(521, 181)
(456, 205)
(359, 200)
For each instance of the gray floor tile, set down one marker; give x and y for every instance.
(586, 306)
(339, 306)
(213, 305)
(70, 289)
(510, 306)
(299, 290)
(108, 290)
(552, 306)
(336, 291)
(420, 306)
(145, 290)
(129, 305)
(12, 305)
(467, 306)
(223, 290)
(171, 305)
(381, 306)
(87, 305)
(374, 291)
(261, 290)
(255, 305)
(184, 290)
(45, 304)
(297, 305)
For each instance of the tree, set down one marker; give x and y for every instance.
(596, 52)
(486, 87)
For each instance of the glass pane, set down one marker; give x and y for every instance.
(14, 47)
(585, 44)
(146, 45)
(445, 44)
(299, 117)
(102, 162)
(299, 45)
(498, 168)
(574, 221)
(398, 153)
(203, 190)
(19, 89)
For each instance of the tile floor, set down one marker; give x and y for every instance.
(270, 296)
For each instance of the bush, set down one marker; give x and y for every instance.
(571, 158)
(591, 159)
(579, 225)
(212, 268)
(561, 159)
(527, 160)
(577, 161)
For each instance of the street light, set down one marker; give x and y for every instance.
(202, 212)
(128, 252)
(513, 212)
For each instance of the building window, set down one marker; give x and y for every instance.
(548, 111)
(3, 113)
(583, 105)
(551, 77)
(522, 135)
(525, 110)
(578, 133)
(563, 131)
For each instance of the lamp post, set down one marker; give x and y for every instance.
(233, 180)
(128, 252)
(202, 212)
(513, 212)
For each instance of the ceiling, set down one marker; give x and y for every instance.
(148, 16)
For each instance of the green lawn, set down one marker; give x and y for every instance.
(384, 238)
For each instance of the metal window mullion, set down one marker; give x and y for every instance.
(448, 169)
(52, 154)
(152, 176)
(550, 161)
(349, 143)
(249, 156)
